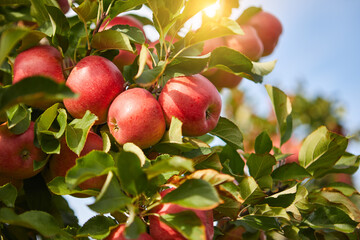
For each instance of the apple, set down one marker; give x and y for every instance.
(18, 153)
(248, 44)
(59, 164)
(269, 29)
(118, 234)
(194, 100)
(223, 79)
(98, 81)
(136, 116)
(160, 230)
(39, 60)
(211, 44)
(124, 57)
(15, 182)
(64, 5)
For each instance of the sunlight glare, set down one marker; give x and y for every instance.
(212, 9)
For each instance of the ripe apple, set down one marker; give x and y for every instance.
(40, 60)
(18, 153)
(248, 44)
(160, 230)
(15, 182)
(136, 116)
(211, 44)
(98, 81)
(61, 163)
(118, 234)
(124, 57)
(194, 100)
(64, 5)
(223, 79)
(269, 29)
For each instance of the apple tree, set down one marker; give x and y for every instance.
(90, 107)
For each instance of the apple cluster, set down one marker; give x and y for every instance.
(261, 34)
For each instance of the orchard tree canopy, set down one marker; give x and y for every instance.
(90, 107)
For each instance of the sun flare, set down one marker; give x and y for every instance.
(212, 9)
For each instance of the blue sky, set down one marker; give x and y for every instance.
(319, 47)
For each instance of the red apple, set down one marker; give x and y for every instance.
(248, 44)
(194, 100)
(61, 163)
(118, 234)
(15, 182)
(136, 116)
(64, 5)
(98, 81)
(18, 153)
(211, 44)
(124, 57)
(269, 29)
(40, 60)
(160, 230)
(223, 79)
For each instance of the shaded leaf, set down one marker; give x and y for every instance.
(60, 187)
(97, 227)
(18, 118)
(290, 171)
(9, 39)
(250, 191)
(260, 164)
(229, 133)
(8, 195)
(263, 143)
(123, 6)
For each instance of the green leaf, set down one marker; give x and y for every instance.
(290, 172)
(187, 223)
(39, 11)
(328, 217)
(186, 66)
(14, 2)
(282, 108)
(348, 163)
(37, 194)
(248, 14)
(250, 191)
(9, 39)
(283, 199)
(18, 118)
(229, 208)
(31, 40)
(260, 164)
(135, 229)
(111, 197)
(261, 222)
(229, 132)
(232, 162)
(150, 76)
(131, 147)
(93, 164)
(175, 163)
(211, 176)
(134, 34)
(263, 143)
(194, 193)
(87, 10)
(33, 90)
(321, 150)
(58, 186)
(40, 221)
(344, 188)
(8, 195)
(123, 6)
(276, 212)
(97, 227)
(111, 39)
(76, 132)
(61, 25)
(132, 178)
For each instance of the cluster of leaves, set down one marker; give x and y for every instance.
(252, 192)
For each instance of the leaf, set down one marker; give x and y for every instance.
(328, 217)
(263, 143)
(321, 150)
(111, 39)
(344, 188)
(282, 199)
(132, 178)
(211, 176)
(186, 66)
(250, 191)
(39, 11)
(8, 195)
(61, 25)
(58, 186)
(260, 164)
(261, 222)
(348, 163)
(123, 6)
(187, 223)
(192, 7)
(229, 208)
(14, 2)
(87, 10)
(77, 130)
(290, 172)
(150, 76)
(111, 198)
(93, 164)
(33, 90)
(97, 227)
(18, 118)
(134, 34)
(248, 14)
(40, 221)
(175, 163)
(31, 40)
(131, 147)
(195, 194)
(276, 212)
(282, 108)
(232, 162)
(134, 229)
(229, 133)
(9, 39)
